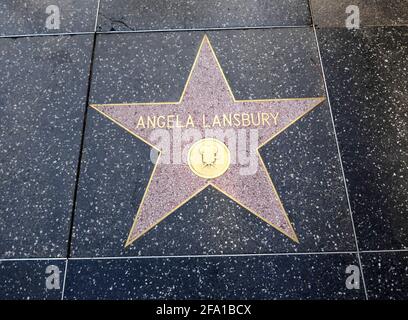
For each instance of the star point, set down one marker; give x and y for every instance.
(207, 102)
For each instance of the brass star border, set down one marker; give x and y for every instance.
(205, 39)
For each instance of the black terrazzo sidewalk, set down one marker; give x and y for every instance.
(72, 180)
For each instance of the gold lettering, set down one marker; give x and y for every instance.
(227, 120)
(275, 117)
(205, 125)
(216, 121)
(151, 122)
(237, 120)
(265, 118)
(245, 120)
(161, 121)
(140, 123)
(177, 124)
(255, 123)
(190, 121)
(170, 121)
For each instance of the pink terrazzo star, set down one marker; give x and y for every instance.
(173, 184)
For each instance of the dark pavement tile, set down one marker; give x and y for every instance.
(303, 160)
(332, 13)
(277, 63)
(26, 17)
(367, 80)
(386, 275)
(130, 15)
(27, 279)
(266, 277)
(42, 101)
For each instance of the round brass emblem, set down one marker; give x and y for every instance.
(209, 158)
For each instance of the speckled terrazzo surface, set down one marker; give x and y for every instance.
(206, 96)
(69, 192)
(370, 109)
(126, 15)
(43, 98)
(25, 17)
(332, 13)
(25, 279)
(386, 274)
(337, 222)
(212, 278)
